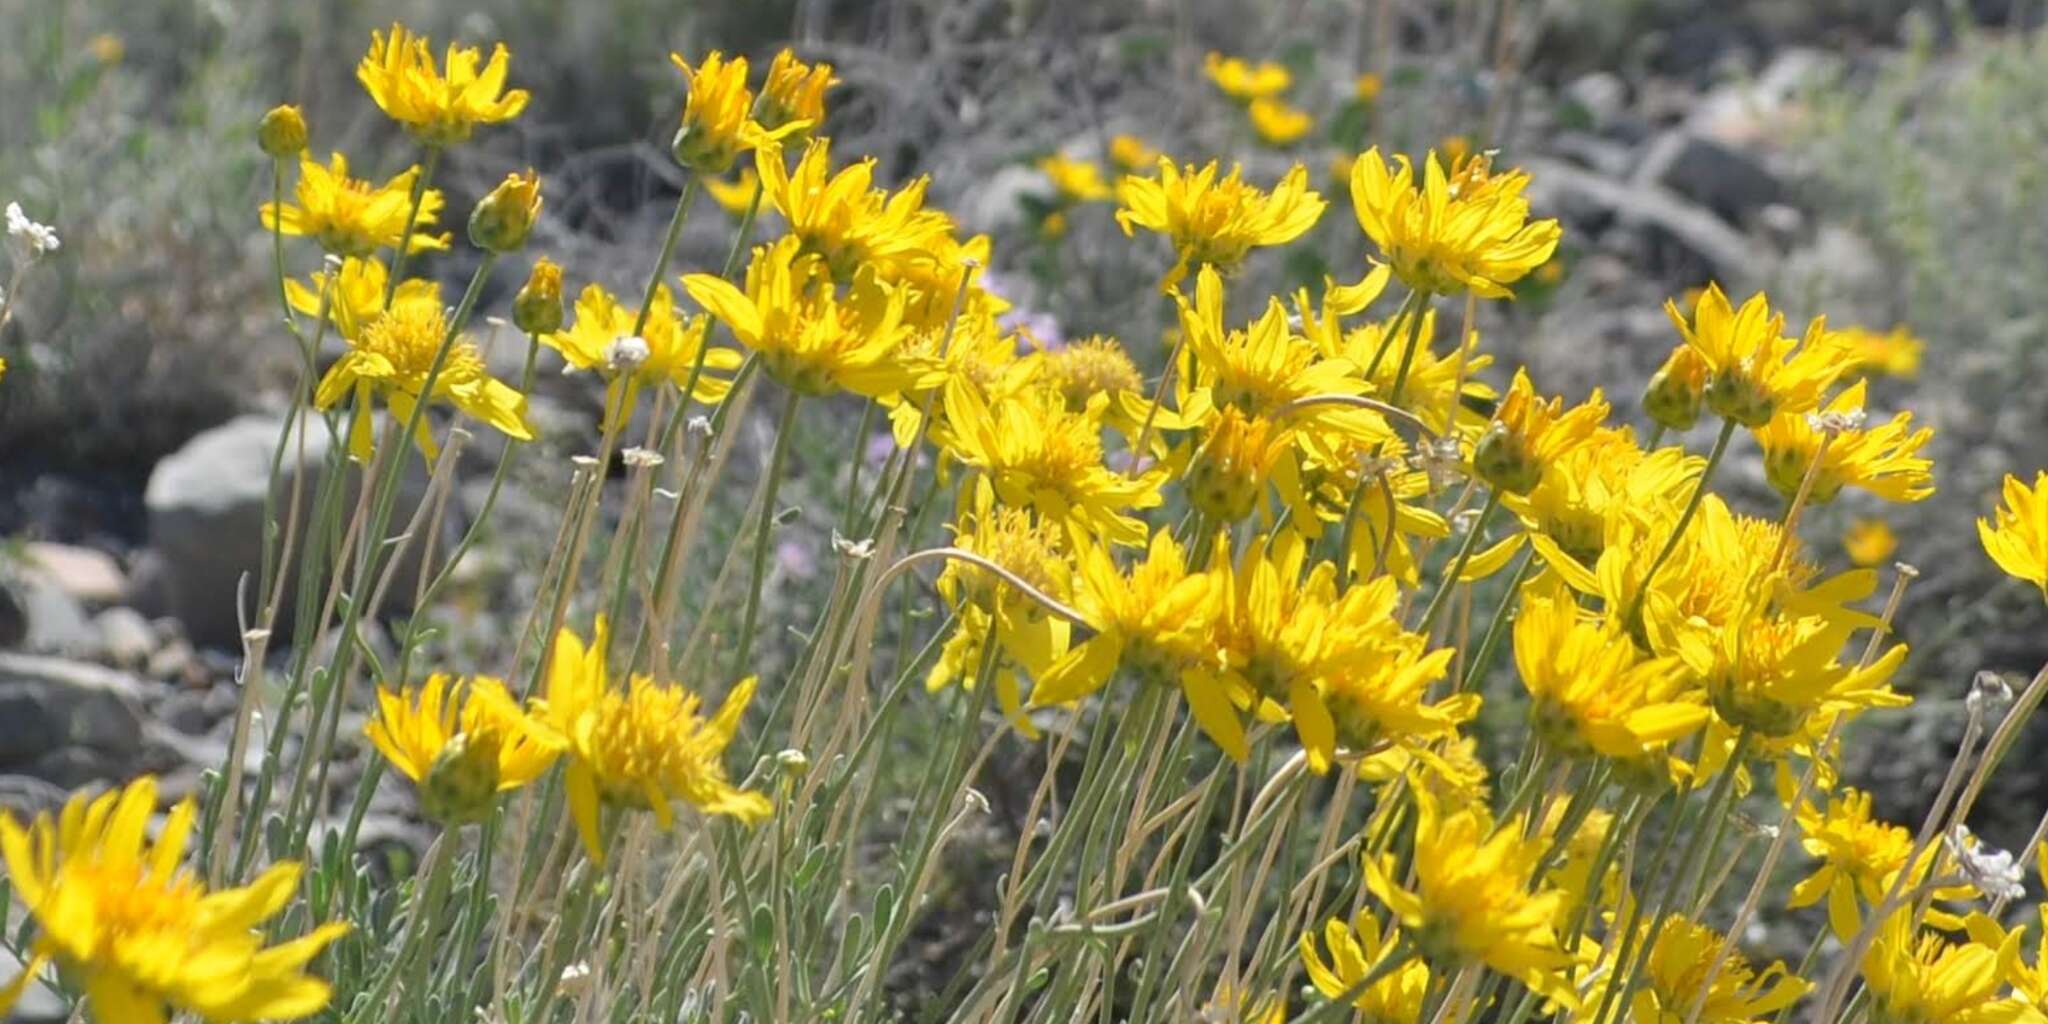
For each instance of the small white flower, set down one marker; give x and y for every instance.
(1993, 872)
(854, 549)
(641, 458)
(1836, 422)
(37, 239)
(699, 426)
(625, 355)
(1990, 694)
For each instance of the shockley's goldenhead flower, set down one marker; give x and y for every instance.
(352, 217)
(1214, 220)
(141, 935)
(1467, 229)
(438, 108)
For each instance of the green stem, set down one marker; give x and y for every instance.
(1408, 350)
(1401, 318)
(412, 219)
(1441, 599)
(668, 251)
(1482, 659)
(763, 525)
(1692, 507)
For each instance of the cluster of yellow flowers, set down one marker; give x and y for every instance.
(1256, 531)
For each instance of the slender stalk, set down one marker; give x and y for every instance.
(412, 220)
(785, 428)
(1408, 350)
(1692, 507)
(1438, 602)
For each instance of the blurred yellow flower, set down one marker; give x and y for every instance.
(1131, 153)
(1893, 353)
(1884, 460)
(438, 109)
(1245, 81)
(2018, 541)
(734, 196)
(647, 746)
(351, 217)
(1450, 233)
(139, 933)
(1922, 978)
(282, 132)
(1215, 221)
(793, 95)
(1073, 181)
(1672, 399)
(1679, 963)
(1355, 949)
(461, 743)
(1869, 542)
(1278, 124)
(1366, 87)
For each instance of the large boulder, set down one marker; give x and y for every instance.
(206, 529)
(68, 722)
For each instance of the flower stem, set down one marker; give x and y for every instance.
(419, 197)
(1408, 350)
(1438, 602)
(1692, 507)
(764, 524)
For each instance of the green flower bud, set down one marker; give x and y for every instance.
(503, 219)
(282, 132)
(537, 309)
(462, 785)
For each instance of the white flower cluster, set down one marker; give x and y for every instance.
(36, 240)
(1993, 872)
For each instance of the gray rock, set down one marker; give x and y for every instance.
(1731, 181)
(1574, 194)
(126, 638)
(26, 796)
(45, 618)
(49, 706)
(87, 574)
(205, 507)
(1600, 96)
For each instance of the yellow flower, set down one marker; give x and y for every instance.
(1038, 453)
(1768, 672)
(1278, 124)
(1226, 476)
(1609, 477)
(1468, 230)
(737, 195)
(393, 353)
(351, 217)
(1859, 856)
(2018, 541)
(1676, 390)
(282, 132)
(1473, 901)
(1754, 372)
(1680, 960)
(461, 743)
(142, 935)
(1591, 691)
(537, 308)
(1215, 221)
(1529, 434)
(1033, 638)
(1266, 365)
(1442, 389)
(1916, 978)
(718, 116)
(646, 746)
(1884, 460)
(1869, 542)
(1095, 365)
(793, 95)
(1073, 181)
(1131, 153)
(1242, 80)
(1893, 353)
(1386, 699)
(810, 338)
(843, 219)
(1366, 87)
(673, 343)
(1355, 949)
(1453, 774)
(438, 109)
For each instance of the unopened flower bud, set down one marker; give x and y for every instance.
(537, 309)
(503, 219)
(282, 132)
(1503, 460)
(1673, 398)
(794, 763)
(462, 785)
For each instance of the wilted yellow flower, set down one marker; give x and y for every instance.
(1073, 181)
(1355, 949)
(1473, 901)
(1869, 542)
(1591, 691)
(1038, 453)
(461, 742)
(809, 337)
(139, 933)
(1922, 978)
(1450, 233)
(1131, 153)
(282, 132)
(1241, 80)
(1277, 123)
(1680, 960)
(647, 746)
(1215, 221)
(505, 215)
(793, 95)
(392, 353)
(2018, 541)
(669, 349)
(1893, 353)
(1529, 434)
(843, 219)
(1884, 460)
(537, 308)
(438, 109)
(351, 217)
(1754, 372)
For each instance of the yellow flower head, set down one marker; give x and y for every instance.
(1212, 220)
(142, 935)
(1884, 460)
(1591, 691)
(537, 308)
(1893, 353)
(1439, 387)
(1922, 978)
(842, 218)
(1386, 699)
(718, 115)
(1267, 364)
(1676, 390)
(1680, 960)
(1473, 902)
(1571, 510)
(1073, 181)
(438, 109)
(1869, 542)
(1037, 452)
(599, 341)
(505, 216)
(2018, 539)
(1859, 856)
(1768, 672)
(461, 743)
(648, 745)
(737, 195)
(1355, 949)
(1367, 87)
(1037, 552)
(1244, 81)
(1450, 233)
(1097, 365)
(1753, 371)
(1156, 621)
(1276, 123)
(282, 132)
(812, 338)
(793, 96)
(351, 217)
(1529, 434)
(1227, 474)
(1131, 153)
(392, 354)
